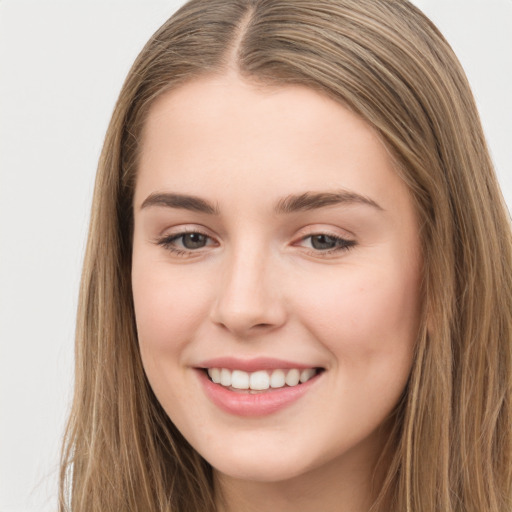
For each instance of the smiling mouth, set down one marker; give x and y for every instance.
(261, 380)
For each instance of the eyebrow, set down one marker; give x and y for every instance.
(289, 204)
(314, 200)
(182, 201)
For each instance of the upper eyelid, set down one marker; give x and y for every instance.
(313, 228)
(321, 229)
(185, 228)
(300, 234)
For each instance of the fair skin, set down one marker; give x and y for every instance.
(328, 288)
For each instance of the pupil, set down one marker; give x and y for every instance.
(194, 240)
(323, 242)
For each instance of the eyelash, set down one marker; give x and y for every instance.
(167, 241)
(342, 244)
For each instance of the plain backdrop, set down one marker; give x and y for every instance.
(62, 64)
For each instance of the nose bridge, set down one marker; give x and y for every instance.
(248, 296)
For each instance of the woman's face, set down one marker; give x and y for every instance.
(273, 243)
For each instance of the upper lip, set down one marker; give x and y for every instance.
(252, 365)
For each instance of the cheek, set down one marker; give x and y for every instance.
(168, 307)
(365, 315)
(369, 322)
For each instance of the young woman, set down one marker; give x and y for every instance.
(297, 287)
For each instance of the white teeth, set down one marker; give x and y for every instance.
(306, 374)
(240, 379)
(292, 377)
(214, 373)
(277, 379)
(261, 379)
(225, 377)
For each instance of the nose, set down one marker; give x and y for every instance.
(249, 298)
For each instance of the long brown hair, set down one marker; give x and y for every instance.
(451, 447)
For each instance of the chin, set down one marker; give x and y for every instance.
(264, 471)
(270, 466)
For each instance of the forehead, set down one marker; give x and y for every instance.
(227, 134)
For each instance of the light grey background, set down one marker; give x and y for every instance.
(62, 64)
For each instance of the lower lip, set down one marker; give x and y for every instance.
(256, 404)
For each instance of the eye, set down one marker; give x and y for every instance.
(326, 244)
(193, 240)
(185, 243)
